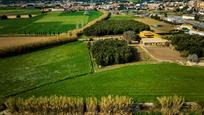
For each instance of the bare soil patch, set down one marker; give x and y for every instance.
(164, 53)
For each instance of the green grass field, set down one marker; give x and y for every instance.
(52, 22)
(27, 71)
(143, 82)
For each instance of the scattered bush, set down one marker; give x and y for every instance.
(171, 105)
(131, 36)
(114, 27)
(18, 16)
(111, 51)
(190, 44)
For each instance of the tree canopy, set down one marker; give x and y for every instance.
(111, 51)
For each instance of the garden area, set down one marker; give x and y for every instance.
(51, 23)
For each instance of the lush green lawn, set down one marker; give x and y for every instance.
(122, 17)
(143, 82)
(27, 71)
(52, 22)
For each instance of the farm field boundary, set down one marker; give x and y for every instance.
(62, 38)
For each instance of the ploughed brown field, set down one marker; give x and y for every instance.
(164, 53)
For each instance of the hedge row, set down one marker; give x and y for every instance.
(114, 27)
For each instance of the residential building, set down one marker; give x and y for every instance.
(152, 39)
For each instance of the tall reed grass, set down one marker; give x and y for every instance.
(108, 105)
(52, 104)
(91, 104)
(116, 104)
(171, 105)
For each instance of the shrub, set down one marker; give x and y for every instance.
(30, 15)
(111, 51)
(171, 105)
(4, 17)
(18, 16)
(114, 27)
(131, 36)
(116, 105)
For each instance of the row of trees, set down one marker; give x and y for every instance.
(4, 17)
(189, 44)
(42, 33)
(112, 51)
(114, 27)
